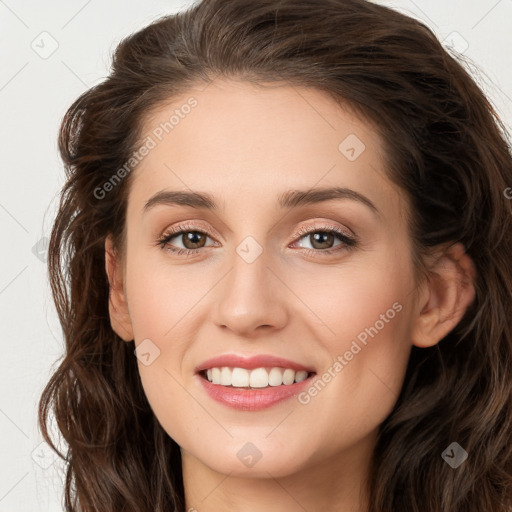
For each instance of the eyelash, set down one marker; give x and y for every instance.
(348, 241)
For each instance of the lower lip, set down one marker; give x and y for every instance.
(253, 399)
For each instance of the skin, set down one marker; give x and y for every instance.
(246, 145)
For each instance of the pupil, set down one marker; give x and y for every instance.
(324, 239)
(192, 237)
(327, 239)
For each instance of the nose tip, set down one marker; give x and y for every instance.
(249, 301)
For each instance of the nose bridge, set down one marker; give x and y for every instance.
(250, 265)
(249, 297)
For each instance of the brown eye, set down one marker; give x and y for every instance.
(321, 240)
(193, 239)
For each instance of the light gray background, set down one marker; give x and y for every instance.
(35, 91)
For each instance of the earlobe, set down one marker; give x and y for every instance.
(117, 304)
(450, 291)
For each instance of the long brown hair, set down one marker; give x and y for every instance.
(446, 147)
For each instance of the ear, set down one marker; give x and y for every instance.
(117, 305)
(448, 293)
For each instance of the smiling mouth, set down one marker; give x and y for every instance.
(256, 379)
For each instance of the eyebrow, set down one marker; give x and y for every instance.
(286, 200)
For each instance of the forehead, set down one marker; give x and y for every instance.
(236, 139)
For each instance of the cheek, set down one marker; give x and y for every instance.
(159, 296)
(350, 404)
(359, 389)
(363, 300)
(368, 340)
(160, 305)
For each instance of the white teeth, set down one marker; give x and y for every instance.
(301, 375)
(288, 376)
(216, 375)
(239, 377)
(257, 378)
(225, 376)
(275, 377)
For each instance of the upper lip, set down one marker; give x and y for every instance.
(249, 363)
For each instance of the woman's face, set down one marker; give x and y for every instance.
(271, 277)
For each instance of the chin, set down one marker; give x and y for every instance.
(246, 460)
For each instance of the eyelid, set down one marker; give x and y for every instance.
(190, 226)
(348, 240)
(324, 225)
(320, 225)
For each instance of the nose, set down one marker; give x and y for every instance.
(251, 298)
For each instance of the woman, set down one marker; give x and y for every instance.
(281, 263)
